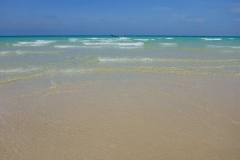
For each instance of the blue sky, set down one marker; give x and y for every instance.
(131, 17)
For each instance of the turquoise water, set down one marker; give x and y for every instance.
(32, 57)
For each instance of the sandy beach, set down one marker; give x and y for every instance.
(140, 117)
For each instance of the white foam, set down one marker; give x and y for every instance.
(168, 44)
(130, 44)
(232, 47)
(129, 47)
(211, 39)
(93, 38)
(20, 52)
(19, 70)
(17, 52)
(35, 43)
(4, 52)
(111, 44)
(107, 59)
(142, 39)
(71, 70)
(66, 46)
(234, 60)
(124, 38)
(169, 38)
(72, 46)
(73, 39)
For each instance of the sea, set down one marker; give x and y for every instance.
(73, 58)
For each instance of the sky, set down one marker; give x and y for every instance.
(130, 17)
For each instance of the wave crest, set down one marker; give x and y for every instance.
(168, 44)
(35, 43)
(211, 39)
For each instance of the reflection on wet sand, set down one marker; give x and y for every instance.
(143, 118)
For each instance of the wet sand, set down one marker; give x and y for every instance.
(143, 117)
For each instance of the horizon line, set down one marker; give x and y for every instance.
(130, 35)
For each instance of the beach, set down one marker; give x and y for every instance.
(119, 98)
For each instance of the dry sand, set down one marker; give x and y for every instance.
(149, 117)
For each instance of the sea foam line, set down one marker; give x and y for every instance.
(211, 39)
(233, 47)
(124, 59)
(142, 39)
(73, 39)
(19, 52)
(5, 52)
(145, 59)
(68, 71)
(168, 44)
(19, 70)
(73, 70)
(35, 43)
(113, 44)
(66, 46)
(124, 38)
(72, 46)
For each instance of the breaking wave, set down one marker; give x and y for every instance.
(211, 39)
(142, 39)
(35, 43)
(73, 39)
(4, 52)
(232, 47)
(66, 46)
(139, 44)
(168, 44)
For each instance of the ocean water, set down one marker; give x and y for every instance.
(23, 58)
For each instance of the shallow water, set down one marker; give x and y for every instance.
(29, 57)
